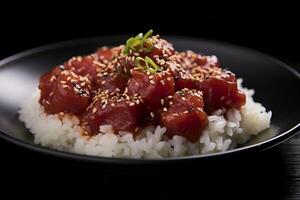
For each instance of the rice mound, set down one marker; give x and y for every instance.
(225, 130)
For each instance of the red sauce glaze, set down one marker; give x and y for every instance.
(106, 54)
(219, 87)
(185, 116)
(221, 93)
(101, 75)
(64, 91)
(123, 112)
(182, 83)
(108, 88)
(84, 66)
(160, 49)
(151, 87)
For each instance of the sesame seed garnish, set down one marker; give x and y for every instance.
(65, 86)
(165, 109)
(52, 78)
(112, 105)
(162, 101)
(183, 98)
(162, 82)
(151, 77)
(79, 58)
(152, 114)
(185, 112)
(132, 104)
(103, 82)
(94, 110)
(170, 97)
(98, 63)
(152, 82)
(171, 102)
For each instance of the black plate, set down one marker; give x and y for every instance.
(277, 87)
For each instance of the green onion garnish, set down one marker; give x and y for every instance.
(148, 64)
(137, 43)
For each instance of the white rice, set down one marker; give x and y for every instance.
(224, 131)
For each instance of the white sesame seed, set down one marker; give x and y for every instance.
(165, 109)
(152, 114)
(79, 58)
(132, 104)
(152, 82)
(94, 110)
(52, 78)
(162, 101)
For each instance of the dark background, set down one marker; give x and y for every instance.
(272, 173)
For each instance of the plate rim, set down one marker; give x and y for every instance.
(278, 139)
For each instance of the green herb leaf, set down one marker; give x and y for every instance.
(137, 43)
(148, 64)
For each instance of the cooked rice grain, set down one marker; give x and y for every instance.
(224, 131)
